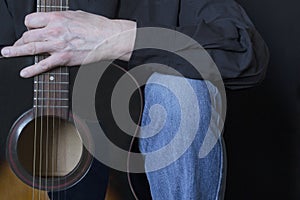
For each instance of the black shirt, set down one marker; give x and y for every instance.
(220, 26)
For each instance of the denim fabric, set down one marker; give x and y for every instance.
(189, 177)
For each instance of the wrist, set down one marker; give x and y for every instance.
(126, 39)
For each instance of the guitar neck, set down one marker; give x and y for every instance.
(52, 5)
(51, 89)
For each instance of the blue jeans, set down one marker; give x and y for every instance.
(188, 177)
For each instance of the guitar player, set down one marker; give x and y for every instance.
(221, 26)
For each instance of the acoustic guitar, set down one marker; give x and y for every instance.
(45, 150)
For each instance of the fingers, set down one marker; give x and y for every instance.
(35, 35)
(45, 65)
(39, 35)
(37, 20)
(32, 48)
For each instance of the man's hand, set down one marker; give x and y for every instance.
(69, 36)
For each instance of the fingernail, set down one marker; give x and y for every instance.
(23, 74)
(5, 52)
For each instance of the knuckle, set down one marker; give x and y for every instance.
(60, 45)
(13, 52)
(56, 15)
(66, 57)
(44, 66)
(54, 32)
(32, 49)
(25, 37)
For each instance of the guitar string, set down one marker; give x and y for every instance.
(45, 77)
(35, 132)
(53, 145)
(65, 69)
(47, 134)
(66, 111)
(59, 125)
(52, 173)
(56, 133)
(41, 132)
(53, 139)
(41, 136)
(35, 125)
(59, 164)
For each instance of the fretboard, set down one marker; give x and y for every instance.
(51, 89)
(52, 5)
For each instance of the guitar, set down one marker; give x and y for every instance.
(44, 148)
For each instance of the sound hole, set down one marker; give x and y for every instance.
(49, 147)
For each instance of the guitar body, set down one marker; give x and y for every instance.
(11, 187)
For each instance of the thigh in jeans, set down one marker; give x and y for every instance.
(170, 109)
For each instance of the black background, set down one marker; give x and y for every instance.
(262, 124)
(262, 132)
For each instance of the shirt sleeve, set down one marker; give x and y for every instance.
(225, 31)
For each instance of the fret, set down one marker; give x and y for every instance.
(52, 99)
(57, 73)
(49, 101)
(58, 91)
(46, 6)
(49, 82)
(49, 106)
(43, 88)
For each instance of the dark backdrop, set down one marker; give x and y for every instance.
(262, 124)
(262, 132)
